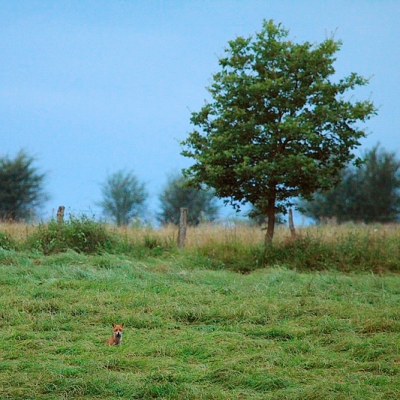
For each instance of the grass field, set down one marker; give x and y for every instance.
(193, 332)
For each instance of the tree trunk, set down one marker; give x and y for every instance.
(271, 221)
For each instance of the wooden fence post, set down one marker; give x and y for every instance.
(60, 215)
(182, 227)
(291, 225)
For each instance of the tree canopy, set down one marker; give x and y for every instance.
(123, 197)
(367, 194)
(278, 125)
(21, 187)
(176, 194)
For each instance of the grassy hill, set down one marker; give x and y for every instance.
(193, 330)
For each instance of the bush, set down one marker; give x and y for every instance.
(7, 242)
(349, 252)
(80, 234)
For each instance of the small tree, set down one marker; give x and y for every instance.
(123, 197)
(176, 194)
(21, 188)
(278, 127)
(368, 194)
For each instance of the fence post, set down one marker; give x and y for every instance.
(182, 227)
(60, 215)
(291, 225)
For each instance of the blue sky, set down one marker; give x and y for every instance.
(92, 87)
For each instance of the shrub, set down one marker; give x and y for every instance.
(80, 234)
(348, 252)
(7, 242)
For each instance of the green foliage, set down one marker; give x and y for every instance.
(21, 188)
(347, 253)
(123, 197)
(7, 242)
(232, 256)
(350, 252)
(192, 333)
(367, 194)
(278, 125)
(79, 234)
(176, 194)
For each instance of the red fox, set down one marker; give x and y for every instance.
(116, 337)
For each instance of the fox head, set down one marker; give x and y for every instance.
(117, 330)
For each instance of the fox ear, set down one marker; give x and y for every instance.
(122, 325)
(113, 325)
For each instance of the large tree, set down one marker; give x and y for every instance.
(176, 194)
(124, 197)
(278, 126)
(21, 187)
(367, 194)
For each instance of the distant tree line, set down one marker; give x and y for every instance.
(124, 196)
(369, 193)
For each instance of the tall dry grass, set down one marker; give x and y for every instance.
(17, 231)
(247, 235)
(236, 246)
(232, 233)
(240, 247)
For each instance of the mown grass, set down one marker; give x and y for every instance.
(193, 332)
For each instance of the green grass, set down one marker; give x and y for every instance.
(193, 333)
